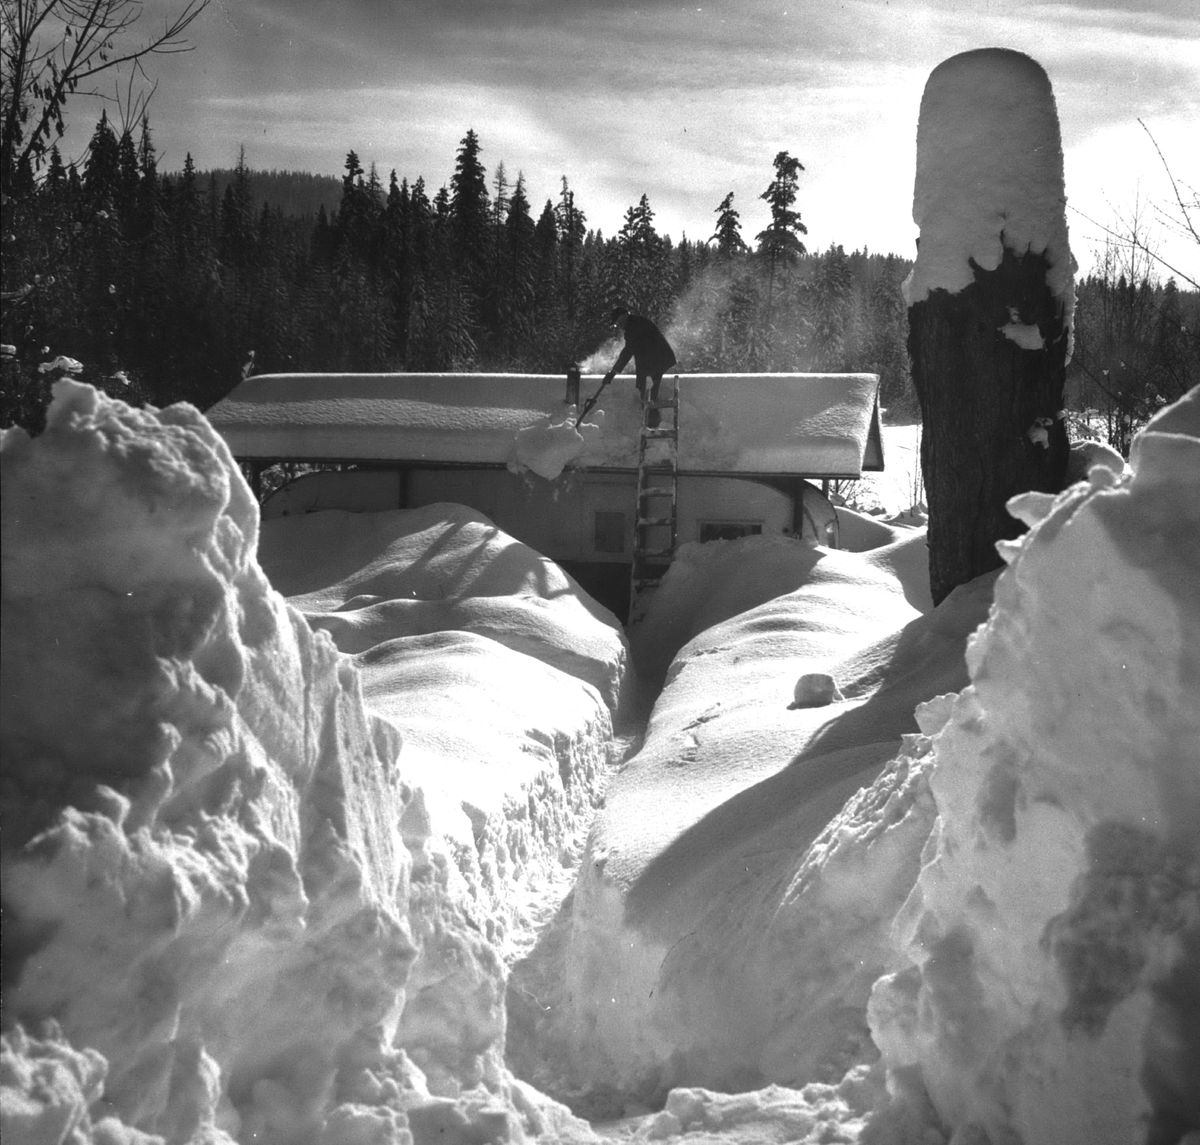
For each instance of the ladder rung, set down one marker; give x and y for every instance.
(657, 494)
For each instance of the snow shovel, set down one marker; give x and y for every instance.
(587, 406)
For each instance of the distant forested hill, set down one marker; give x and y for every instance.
(298, 194)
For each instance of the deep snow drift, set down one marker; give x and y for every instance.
(219, 882)
(266, 889)
(1051, 985)
(502, 676)
(718, 936)
(1012, 906)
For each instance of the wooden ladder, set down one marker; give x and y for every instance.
(656, 523)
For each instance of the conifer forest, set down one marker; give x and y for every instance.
(173, 287)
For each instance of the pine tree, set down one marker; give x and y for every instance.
(571, 222)
(728, 235)
(500, 196)
(56, 173)
(644, 283)
(517, 297)
(780, 242)
(355, 212)
(396, 258)
(832, 295)
(469, 210)
(101, 172)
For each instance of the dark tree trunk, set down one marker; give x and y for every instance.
(983, 398)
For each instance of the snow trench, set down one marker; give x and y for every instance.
(297, 849)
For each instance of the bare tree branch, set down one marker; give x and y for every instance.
(1185, 209)
(51, 48)
(1136, 242)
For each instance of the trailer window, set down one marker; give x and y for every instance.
(728, 530)
(608, 531)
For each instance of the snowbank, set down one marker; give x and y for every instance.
(501, 674)
(217, 879)
(732, 911)
(1052, 941)
(989, 176)
(370, 577)
(239, 904)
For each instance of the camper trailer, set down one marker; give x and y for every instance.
(748, 454)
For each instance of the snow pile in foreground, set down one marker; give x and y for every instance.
(1052, 942)
(989, 175)
(497, 669)
(1009, 911)
(732, 912)
(217, 879)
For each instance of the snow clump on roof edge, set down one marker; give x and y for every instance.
(1051, 935)
(989, 174)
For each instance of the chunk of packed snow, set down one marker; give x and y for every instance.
(1052, 941)
(1024, 334)
(772, 1116)
(549, 446)
(816, 690)
(989, 176)
(217, 879)
(61, 365)
(1085, 455)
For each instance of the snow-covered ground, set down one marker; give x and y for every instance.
(290, 821)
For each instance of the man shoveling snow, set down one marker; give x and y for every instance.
(651, 353)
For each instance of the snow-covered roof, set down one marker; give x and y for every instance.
(814, 425)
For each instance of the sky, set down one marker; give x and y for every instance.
(682, 102)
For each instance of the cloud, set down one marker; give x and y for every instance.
(682, 102)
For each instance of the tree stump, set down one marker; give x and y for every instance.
(991, 299)
(990, 411)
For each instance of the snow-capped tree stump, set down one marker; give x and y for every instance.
(990, 304)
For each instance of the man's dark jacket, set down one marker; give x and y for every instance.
(651, 352)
